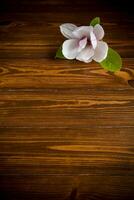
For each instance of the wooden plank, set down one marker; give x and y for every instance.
(53, 162)
(59, 74)
(69, 151)
(57, 112)
(66, 127)
(38, 38)
(41, 5)
(64, 187)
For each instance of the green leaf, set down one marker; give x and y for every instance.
(59, 53)
(112, 62)
(95, 21)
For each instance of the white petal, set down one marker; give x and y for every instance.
(93, 40)
(70, 48)
(82, 44)
(100, 51)
(86, 54)
(82, 31)
(98, 31)
(89, 60)
(67, 29)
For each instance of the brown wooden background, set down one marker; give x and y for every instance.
(66, 128)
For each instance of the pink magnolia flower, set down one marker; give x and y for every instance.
(84, 43)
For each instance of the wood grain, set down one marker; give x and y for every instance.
(66, 127)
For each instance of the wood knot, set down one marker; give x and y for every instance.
(131, 83)
(73, 195)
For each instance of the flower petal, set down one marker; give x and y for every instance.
(88, 61)
(93, 40)
(67, 29)
(86, 54)
(98, 31)
(82, 44)
(82, 31)
(100, 51)
(70, 48)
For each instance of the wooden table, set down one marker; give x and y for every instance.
(66, 127)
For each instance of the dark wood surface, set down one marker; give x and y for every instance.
(66, 128)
